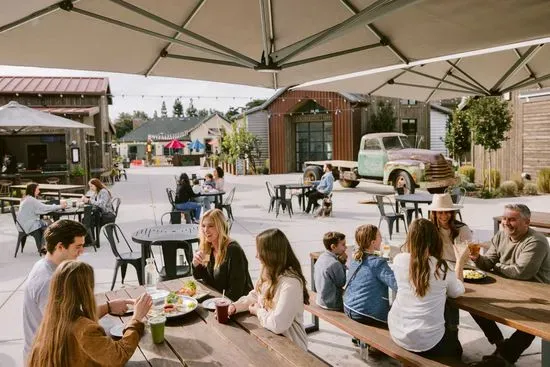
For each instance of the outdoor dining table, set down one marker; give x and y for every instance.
(55, 188)
(218, 197)
(167, 232)
(415, 199)
(78, 211)
(305, 188)
(197, 339)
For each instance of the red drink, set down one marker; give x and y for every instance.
(222, 310)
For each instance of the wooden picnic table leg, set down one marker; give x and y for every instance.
(314, 326)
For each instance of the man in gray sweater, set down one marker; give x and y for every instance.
(516, 252)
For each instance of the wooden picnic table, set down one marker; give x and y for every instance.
(519, 304)
(57, 188)
(538, 220)
(197, 339)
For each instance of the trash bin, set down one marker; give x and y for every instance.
(126, 162)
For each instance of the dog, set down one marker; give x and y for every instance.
(325, 209)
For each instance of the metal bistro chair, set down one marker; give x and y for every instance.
(402, 207)
(88, 222)
(122, 258)
(383, 202)
(170, 269)
(188, 213)
(272, 195)
(458, 195)
(283, 201)
(227, 204)
(21, 236)
(175, 217)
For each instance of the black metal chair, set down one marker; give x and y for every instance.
(175, 217)
(227, 203)
(282, 200)
(188, 213)
(169, 249)
(88, 222)
(21, 235)
(402, 207)
(122, 258)
(382, 202)
(272, 195)
(458, 195)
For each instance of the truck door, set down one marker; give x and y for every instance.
(372, 159)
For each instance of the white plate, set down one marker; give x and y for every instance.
(159, 294)
(188, 304)
(117, 331)
(210, 304)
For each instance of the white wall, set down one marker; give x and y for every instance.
(438, 126)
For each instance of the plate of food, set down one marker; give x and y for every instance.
(192, 289)
(471, 275)
(210, 304)
(175, 305)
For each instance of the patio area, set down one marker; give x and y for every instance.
(144, 201)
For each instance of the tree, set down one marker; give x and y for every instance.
(383, 120)
(163, 110)
(240, 143)
(457, 136)
(232, 112)
(140, 115)
(191, 111)
(489, 119)
(254, 103)
(177, 110)
(155, 115)
(124, 123)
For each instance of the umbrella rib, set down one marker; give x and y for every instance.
(149, 33)
(527, 67)
(265, 38)
(386, 82)
(368, 15)
(441, 80)
(236, 55)
(205, 60)
(37, 14)
(328, 56)
(469, 77)
(524, 83)
(524, 59)
(176, 35)
(452, 75)
(381, 37)
(430, 87)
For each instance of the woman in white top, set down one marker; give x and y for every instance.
(280, 293)
(416, 319)
(443, 215)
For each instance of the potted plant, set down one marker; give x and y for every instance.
(77, 175)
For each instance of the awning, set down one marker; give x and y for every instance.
(85, 111)
(263, 43)
(493, 73)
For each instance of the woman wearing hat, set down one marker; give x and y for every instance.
(443, 215)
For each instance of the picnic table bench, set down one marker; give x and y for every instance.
(10, 200)
(197, 339)
(374, 336)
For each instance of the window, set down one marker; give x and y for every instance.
(371, 144)
(408, 126)
(313, 142)
(408, 102)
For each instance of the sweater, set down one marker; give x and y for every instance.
(287, 315)
(102, 200)
(30, 211)
(184, 193)
(90, 346)
(232, 275)
(464, 234)
(526, 259)
(330, 278)
(367, 293)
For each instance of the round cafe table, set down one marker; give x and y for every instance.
(415, 199)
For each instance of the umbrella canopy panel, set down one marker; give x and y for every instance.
(486, 74)
(234, 41)
(175, 144)
(15, 118)
(197, 145)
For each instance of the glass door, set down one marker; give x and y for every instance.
(313, 142)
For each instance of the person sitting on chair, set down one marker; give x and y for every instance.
(323, 189)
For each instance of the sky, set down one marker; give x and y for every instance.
(134, 92)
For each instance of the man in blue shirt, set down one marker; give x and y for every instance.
(323, 189)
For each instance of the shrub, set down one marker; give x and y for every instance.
(516, 177)
(530, 189)
(469, 172)
(486, 194)
(543, 180)
(509, 188)
(495, 178)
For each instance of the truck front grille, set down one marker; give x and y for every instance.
(439, 171)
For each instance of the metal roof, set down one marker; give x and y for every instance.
(53, 85)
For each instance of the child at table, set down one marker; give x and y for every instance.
(197, 189)
(209, 180)
(417, 320)
(280, 294)
(330, 271)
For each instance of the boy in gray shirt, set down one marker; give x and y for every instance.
(330, 272)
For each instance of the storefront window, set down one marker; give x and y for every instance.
(313, 142)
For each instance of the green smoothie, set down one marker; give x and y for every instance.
(157, 328)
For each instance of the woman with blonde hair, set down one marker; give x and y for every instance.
(280, 293)
(417, 319)
(221, 262)
(369, 277)
(70, 334)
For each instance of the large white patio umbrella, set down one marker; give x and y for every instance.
(257, 42)
(486, 74)
(15, 118)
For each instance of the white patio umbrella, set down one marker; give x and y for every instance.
(15, 118)
(489, 73)
(257, 42)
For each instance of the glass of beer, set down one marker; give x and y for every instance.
(474, 248)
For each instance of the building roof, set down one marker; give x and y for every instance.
(54, 85)
(166, 128)
(441, 109)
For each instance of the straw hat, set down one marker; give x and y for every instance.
(442, 203)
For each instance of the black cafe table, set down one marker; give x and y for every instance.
(167, 232)
(218, 197)
(74, 211)
(305, 188)
(415, 199)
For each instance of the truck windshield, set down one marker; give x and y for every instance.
(395, 142)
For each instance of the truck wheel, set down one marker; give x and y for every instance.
(403, 179)
(348, 183)
(312, 173)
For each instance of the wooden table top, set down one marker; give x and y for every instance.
(538, 219)
(197, 339)
(167, 232)
(52, 187)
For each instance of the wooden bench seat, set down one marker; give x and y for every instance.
(544, 231)
(63, 194)
(8, 200)
(376, 337)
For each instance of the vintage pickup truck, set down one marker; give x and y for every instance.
(388, 158)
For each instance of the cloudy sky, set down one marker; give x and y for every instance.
(133, 92)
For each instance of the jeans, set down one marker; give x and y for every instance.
(312, 198)
(190, 205)
(511, 348)
(364, 319)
